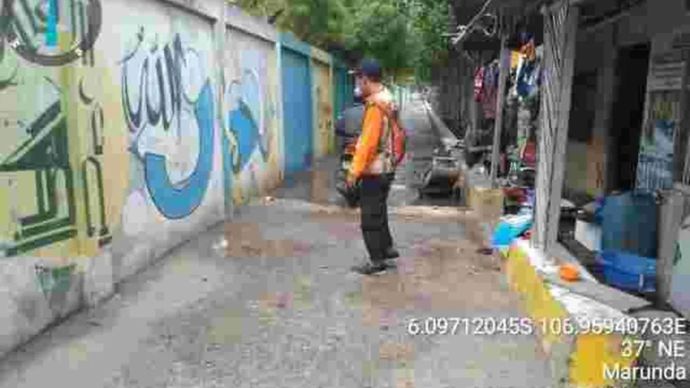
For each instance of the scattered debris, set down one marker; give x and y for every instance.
(485, 251)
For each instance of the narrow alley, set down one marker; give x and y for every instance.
(268, 300)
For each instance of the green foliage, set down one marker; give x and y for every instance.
(403, 34)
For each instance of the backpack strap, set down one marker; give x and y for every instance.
(388, 128)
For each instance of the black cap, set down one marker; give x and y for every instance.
(369, 68)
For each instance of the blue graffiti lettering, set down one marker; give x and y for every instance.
(243, 125)
(246, 122)
(178, 202)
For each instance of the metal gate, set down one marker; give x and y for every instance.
(297, 107)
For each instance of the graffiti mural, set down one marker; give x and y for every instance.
(92, 172)
(36, 157)
(250, 120)
(246, 120)
(168, 107)
(45, 154)
(55, 284)
(30, 27)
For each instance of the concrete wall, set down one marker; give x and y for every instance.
(115, 155)
(323, 83)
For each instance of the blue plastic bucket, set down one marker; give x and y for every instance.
(628, 271)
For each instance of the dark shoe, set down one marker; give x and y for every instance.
(392, 253)
(370, 268)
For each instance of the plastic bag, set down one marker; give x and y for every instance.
(510, 228)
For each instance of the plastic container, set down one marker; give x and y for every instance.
(628, 271)
(630, 224)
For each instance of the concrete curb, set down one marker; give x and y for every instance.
(447, 137)
(579, 357)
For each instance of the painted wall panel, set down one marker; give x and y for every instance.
(343, 88)
(323, 109)
(250, 116)
(297, 107)
(164, 66)
(339, 85)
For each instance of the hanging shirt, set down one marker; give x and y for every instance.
(490, 91)
(478, 83)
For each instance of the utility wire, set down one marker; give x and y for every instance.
(463, 30)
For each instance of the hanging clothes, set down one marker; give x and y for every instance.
(529, 50)
(529, 72)
(523, 78)
(513, 93)
(479, 83)
(534, 80)
(490, 93)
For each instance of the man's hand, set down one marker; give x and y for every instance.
(350, 180)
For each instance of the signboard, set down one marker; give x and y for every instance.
(662, 120)
(681, 41)
(655, 164)
(666, 76)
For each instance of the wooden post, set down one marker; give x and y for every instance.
(559, 61)
(504, 69)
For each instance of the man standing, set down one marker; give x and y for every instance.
(373, 166)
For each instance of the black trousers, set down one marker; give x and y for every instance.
(374, 191)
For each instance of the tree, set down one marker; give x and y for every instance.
(402, 34)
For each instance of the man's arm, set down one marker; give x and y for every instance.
(368, 141)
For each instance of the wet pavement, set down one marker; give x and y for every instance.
(268, 300)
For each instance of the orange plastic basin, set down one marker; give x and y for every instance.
(569, 272)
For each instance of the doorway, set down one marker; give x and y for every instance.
(627, 115)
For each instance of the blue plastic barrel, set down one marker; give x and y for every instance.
(629, 224)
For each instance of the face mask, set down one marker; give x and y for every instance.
(358, 91)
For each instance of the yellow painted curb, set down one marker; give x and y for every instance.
(578, 359)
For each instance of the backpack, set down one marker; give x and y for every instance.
(398, 135)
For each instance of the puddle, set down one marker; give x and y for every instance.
(244, 239)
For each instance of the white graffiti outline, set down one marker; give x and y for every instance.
(232, 95)
(263, 146)
(232, 139)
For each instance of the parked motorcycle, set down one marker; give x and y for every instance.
(347, 128)
(350, 194)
